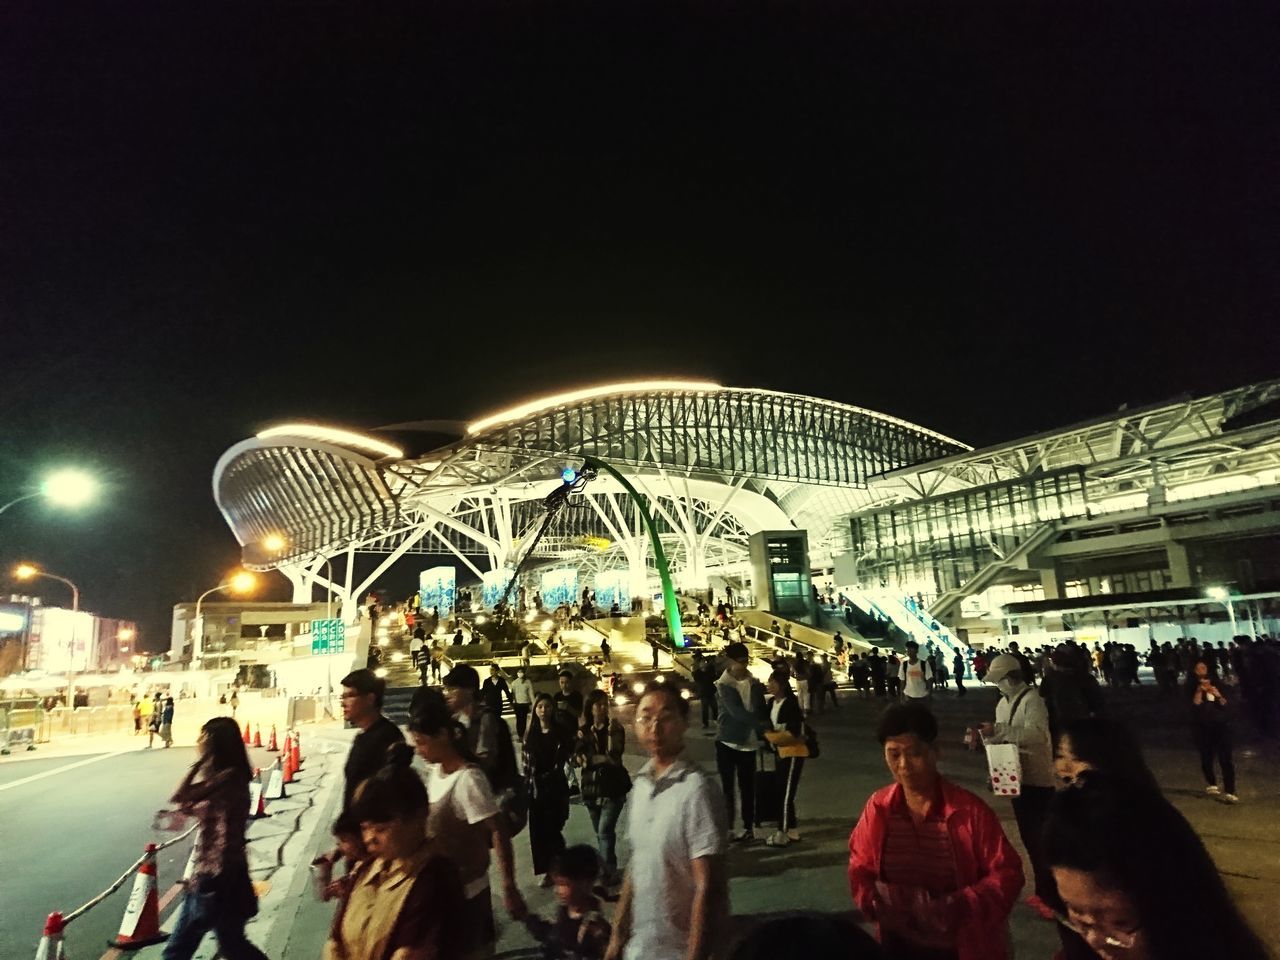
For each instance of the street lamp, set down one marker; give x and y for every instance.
(26, 571)
(1223, 595)
(62, 488)
(242, 581)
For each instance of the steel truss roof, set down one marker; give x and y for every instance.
(320, 499)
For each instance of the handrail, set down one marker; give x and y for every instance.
(126, 875)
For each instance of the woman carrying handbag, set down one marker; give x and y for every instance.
(220, 896)
(786, 736)
(605, 781)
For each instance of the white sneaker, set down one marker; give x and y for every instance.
(1230, 798)
(1212, 790)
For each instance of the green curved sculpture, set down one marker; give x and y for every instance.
(668, 591)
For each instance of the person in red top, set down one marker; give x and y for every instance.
(928, 860)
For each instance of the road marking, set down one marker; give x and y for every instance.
(56, 770)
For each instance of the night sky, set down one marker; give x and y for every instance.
(990, 219)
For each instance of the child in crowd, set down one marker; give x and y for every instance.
(579, 931)
(350, 848)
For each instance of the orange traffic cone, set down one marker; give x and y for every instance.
(288, 764)
(246, 733)
(297, 751)
(141, 924)
(273, 746)
(51, 943)
(257, 735)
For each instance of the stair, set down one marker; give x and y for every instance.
(988, 574)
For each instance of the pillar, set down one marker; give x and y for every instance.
(1179, 565)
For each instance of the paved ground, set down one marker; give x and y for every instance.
(1245, 840)
(69, 832)
(74, 821)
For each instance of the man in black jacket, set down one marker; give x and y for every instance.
(362, 693)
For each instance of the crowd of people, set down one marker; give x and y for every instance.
(421, 848)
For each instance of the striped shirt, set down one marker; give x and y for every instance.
(918, 855)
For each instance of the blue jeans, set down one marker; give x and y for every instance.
(604, 821)
(199, 914)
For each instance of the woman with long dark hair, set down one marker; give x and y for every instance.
(1137, 882)
(220, 896)
(547, 746)
(403, 901)
(605, 781)
(464, 820)
(1102, 745)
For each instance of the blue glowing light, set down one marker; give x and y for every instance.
(568, 474)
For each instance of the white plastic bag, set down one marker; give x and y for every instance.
(1005, 769)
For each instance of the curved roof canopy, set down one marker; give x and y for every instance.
(778, 458)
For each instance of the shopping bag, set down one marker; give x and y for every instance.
(1005, 768)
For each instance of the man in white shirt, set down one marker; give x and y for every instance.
(522, 694)
(1023, 718)
(675, 899)
(916, 676)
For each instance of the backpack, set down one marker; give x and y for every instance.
(509, 787)
(811, 741)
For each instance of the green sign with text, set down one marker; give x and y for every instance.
(328, 636)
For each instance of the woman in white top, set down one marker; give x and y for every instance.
(464, 821)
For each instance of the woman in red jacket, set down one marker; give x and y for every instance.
(929, 861)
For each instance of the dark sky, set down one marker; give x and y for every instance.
(986, 218)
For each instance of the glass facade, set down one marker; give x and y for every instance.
(934, 545)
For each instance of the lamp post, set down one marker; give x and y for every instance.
(63, 488)
(25, 571)
(1223, 595)
(240, 582)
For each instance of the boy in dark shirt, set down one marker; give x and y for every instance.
(579, 931)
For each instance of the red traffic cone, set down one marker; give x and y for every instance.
(246, 733)
(273, 746)
(288, 768)
(257, 735)
(141, 924)
(297, 751)
(51, 943)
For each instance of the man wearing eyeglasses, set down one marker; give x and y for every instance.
(362, 693)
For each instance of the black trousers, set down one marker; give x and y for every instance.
(710, 708)
(959, 685)
(1214, 740)
(522, 718)
(789, 771)
(738, 769)
(1031, 810)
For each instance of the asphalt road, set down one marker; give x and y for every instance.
(68, 834)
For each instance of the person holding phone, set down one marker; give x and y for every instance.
(1211, 728)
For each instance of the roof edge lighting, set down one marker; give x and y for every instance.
(345, 438)
(587, 393)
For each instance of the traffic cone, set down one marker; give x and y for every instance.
(288, 768)
(257, 804)
(257, 735)
(273, 746)
(141, 924)
(297, 751)
(51, 943)
(246, 733)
